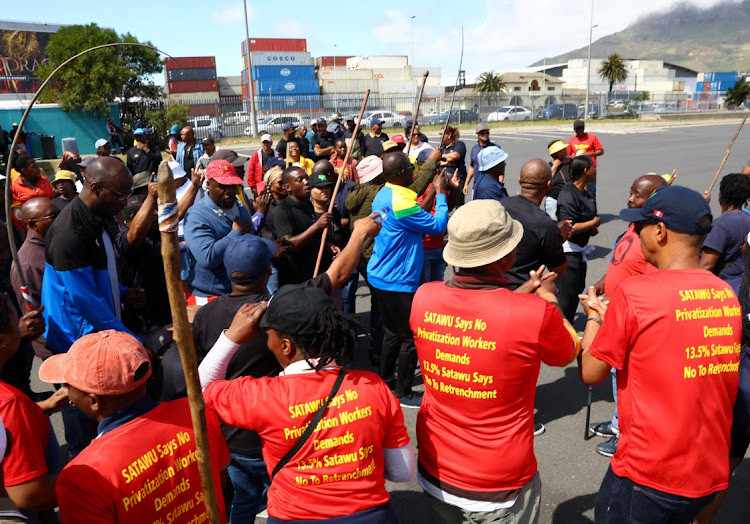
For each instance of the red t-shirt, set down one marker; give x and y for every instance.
(143, 471)
(588, 144)
(627, 261)
(30, 431)
(339, 470)
(674, 338)
(22, 193)
(480, 352)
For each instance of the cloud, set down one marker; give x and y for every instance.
(231, 14)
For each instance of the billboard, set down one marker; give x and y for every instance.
(21, 54)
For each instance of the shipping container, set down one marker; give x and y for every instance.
(296, 87)
(329, 87)
(294, 45)
(280, 57)
(191, 62)
(193, 86)
(283, 72)
(720, 77)
(330, 61)
(342, 73)
(376, 62)
(699, 86)
(723, 86)
(230, 90)
(393, 74)
(396, 87)
(282, 103)
(714, 86)
(230, 80)
(184, 75)
(419, 71)
(210, 109)
(243, 77)
(708, 77)
(207, 96)
(700, 78)
(706, 86)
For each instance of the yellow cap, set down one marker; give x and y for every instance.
(65, 175)
(557, 146)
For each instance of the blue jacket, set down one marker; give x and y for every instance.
(208, 232)
(396, 262)
(197, 153)
(76, 292)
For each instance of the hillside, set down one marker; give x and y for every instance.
(713, 39)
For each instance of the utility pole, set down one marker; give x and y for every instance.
(253, 114)
(335, 86)
(588, 64)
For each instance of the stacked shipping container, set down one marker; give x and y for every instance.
(192, 78)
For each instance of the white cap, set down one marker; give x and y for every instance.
(101, 142)
(314, 122)
(266, 138)
(177, 170)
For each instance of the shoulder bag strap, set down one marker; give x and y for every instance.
(311, 426)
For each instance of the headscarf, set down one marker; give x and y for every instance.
(271, 175)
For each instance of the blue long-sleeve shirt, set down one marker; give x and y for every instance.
(396, 262)
(208, 232)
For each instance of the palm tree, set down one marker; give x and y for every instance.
(613, 69)
(491, 83)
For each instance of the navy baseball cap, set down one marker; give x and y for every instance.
(423, 155)
(294, 310)
(376, 121)
(680, 208)
(275, 161)
(288, 125)
(250, 255)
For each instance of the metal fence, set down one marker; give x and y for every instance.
(230, 116)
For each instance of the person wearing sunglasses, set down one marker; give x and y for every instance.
(81, 291)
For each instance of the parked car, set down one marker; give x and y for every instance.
(458, 116)
(592, 113)
(513, 113)
(389, 118)
(236, 117)
(207, 127)
(616, 104)
(272, 124)
(558, 111)
(430, 114)
(667, 107)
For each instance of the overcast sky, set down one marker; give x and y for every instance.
(502, 35)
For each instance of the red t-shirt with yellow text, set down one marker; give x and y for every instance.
(627, 261)
(674, 338)
(588, 144)
(480, 352)
(143, 471)
(339, 470)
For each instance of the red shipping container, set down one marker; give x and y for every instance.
(328, 61)
(191, 86)
(204, 109)
(706, 86)
(191, 62)
(293, 45)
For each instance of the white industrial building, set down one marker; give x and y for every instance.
(655, 76)
(385, 75)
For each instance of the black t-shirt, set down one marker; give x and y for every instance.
(541, 242)
(188, 161)
(143, 267)
(252, 359)
(267, 231)
(373, 145)
(292, 218)
(139, 160)
(460, 164)
(327, 139)
(578, 206)
(304, 147)
(337, 235)
(281, 146)
(60, 202)
(561, 178)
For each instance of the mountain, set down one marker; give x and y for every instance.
(713, 39)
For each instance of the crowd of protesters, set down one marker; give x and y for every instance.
(270, 263)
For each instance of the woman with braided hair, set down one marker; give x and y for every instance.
(330, 436)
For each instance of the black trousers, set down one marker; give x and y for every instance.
(571, 284)
(398, 342)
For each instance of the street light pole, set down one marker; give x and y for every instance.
(588, 63)
(253, 114)
(413, 83)
(335, 86)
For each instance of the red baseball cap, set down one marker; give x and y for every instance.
(104, 363)
(223, 172)
(399, 139)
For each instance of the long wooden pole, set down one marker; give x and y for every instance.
(183, 335)
(416, 111)
(338, 181)
(729, 148)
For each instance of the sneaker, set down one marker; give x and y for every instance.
(603, 429)
(608, 447)
(539, 429)
(412, 400)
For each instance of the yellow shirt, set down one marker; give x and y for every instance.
(305, 163)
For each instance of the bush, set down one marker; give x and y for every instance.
(162, 119)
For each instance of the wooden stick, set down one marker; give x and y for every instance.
(671, 177)
(338, 181)
(416, 113)
(729, 148)
(183, 335)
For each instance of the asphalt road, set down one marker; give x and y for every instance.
(569, 466)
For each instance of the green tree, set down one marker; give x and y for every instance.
(491, 83)
(737, 95)
(163, 118)
(93, 80)
(613, 70)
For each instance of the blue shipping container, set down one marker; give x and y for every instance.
(244, 78)
(725, 77)
(265, 103)
(699, 86)
(708, 77)
(302, 72)
(288, 87)
(723, 86)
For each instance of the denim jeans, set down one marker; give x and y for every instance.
(349, 293)
(591, 188)
(615, 418)
(273, 281)
(250, 482)
(622, 501)
(433, 265)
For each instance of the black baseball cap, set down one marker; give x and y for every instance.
(319, 180)
(680, 208)
(294, 310)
